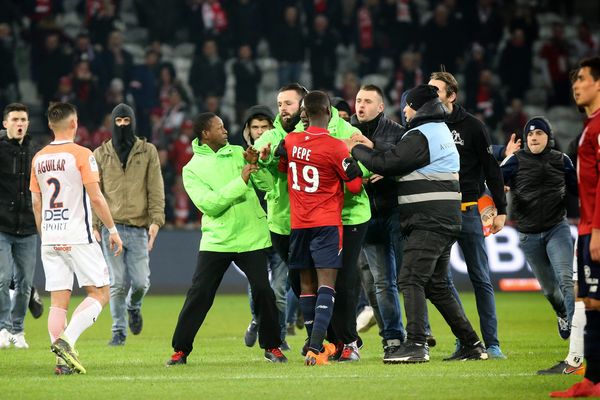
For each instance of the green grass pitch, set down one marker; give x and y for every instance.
(222, 367)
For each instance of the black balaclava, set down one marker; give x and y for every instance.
(123, 137)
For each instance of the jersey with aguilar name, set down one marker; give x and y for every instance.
(315, 168)
(59, 172)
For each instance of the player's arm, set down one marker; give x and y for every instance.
(36, 203)
(100, 207)
(348, 169)
(213, 202)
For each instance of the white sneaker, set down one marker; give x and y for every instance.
(366, 319)
(18, 340)
(5, 339)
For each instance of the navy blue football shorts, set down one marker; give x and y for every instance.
(588, 271)
(319, 247)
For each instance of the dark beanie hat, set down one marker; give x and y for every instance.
(341, 105)
(420, 95)
(538, 123)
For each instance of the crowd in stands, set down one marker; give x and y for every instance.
(172, 59)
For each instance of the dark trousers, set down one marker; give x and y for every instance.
(424, 274)
(210, 269)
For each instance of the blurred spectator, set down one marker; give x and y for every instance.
(65, 93)
(322, 46)
(484, 25)
(54, 63)
(83, 49)
(9, 81)
(370, 26)
(246, 23)
(144, 89)
(585, 44)
(442, 42)
(515, 65)
(114, 61)
(172, 118)
(88, 97)
(555, 53)
(167, 80)
(168, 174)
(103, 132)
(488, 101)
(403, 22)
(207, 19)
(247, 78)
(525, 19)
(115, 95)
(476, 63)
(100, 17)
(349, 8)
(349, 88)
(186, 214)
(514, 120)
(207, 76)
(331, 9)
(288, 47)
(407, 75)
(181, 149)
(160, 17)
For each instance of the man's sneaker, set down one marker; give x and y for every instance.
(391, 346)
(251, 334)
(321, 358)
(407, 353)
(64, 350)
(495, 352)
(5, 339)
(291, 329)
(178, 358)
(275, 355)
(465, 352)
(349, 353)
(36, 307)
(61, 367)
(136, 322)
(563, 367)
(564, 329)
(118, 339)
(431, 342)
(585, 388)
(284, 346)
(365, 319)
(18, 340)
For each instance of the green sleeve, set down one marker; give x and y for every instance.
(269, 136)
(212, 202)
(262, 179)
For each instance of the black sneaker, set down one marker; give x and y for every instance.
(135, 321)
(408, 353)
(275, 355)
(390, 346)
(36, 307)
(472, 352)
(251, 334)
(118, 339)
(178, 358)
(564, 329)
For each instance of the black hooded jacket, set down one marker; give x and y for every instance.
(16, 214)
(123, 137)
(385, 134)
(477, 162)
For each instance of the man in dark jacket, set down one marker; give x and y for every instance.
(18, 241)
(477, 164)
(426, 161)
(383, 241)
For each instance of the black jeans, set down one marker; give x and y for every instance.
(209, 272)
(424, 274)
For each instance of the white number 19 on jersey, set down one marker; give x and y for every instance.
(310, 175)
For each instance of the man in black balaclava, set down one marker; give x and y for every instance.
(123, 130)
(132, 184)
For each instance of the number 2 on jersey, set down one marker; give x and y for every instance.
(56, 183)
(310, 175)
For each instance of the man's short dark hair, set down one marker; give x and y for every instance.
(373, 88)
(261, 117)
(448, 79)
(316, 103)
(58, 112)
(296, 87)
(594, 65)
(202, 123)
(14, 107)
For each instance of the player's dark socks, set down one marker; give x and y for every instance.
(323, 312)
(591, 338)
(308, 303)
